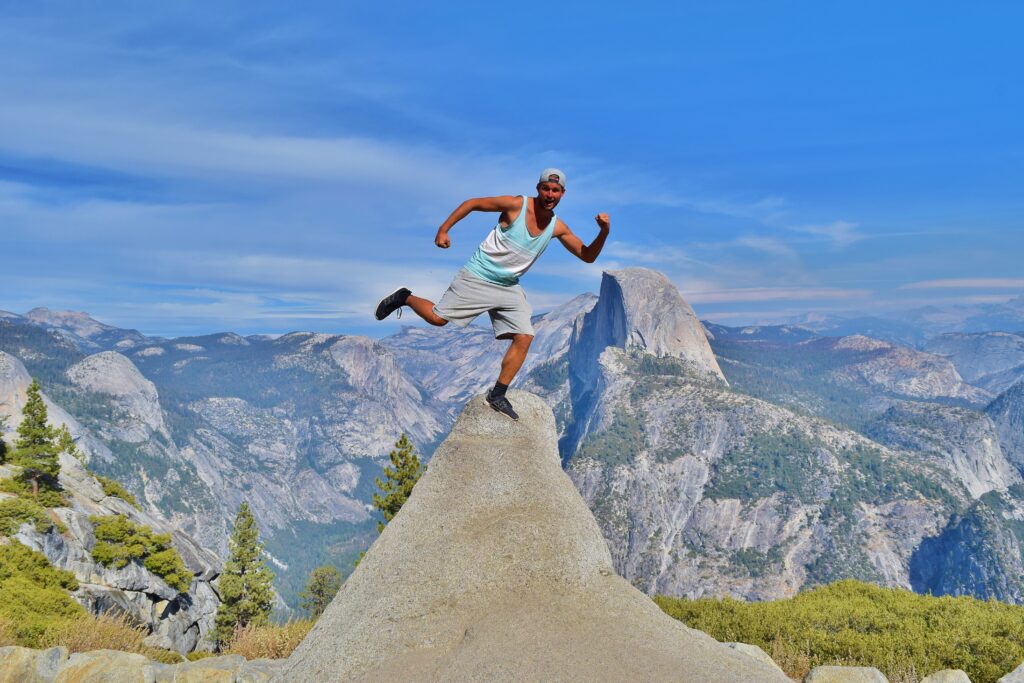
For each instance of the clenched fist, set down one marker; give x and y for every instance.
(603, 221)
(442, 240)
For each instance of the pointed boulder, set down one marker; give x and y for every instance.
(495, 570)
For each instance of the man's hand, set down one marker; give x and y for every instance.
(603, 222)
(442, 239)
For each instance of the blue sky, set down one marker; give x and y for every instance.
(261, 168)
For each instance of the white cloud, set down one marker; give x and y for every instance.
(840, 233)
(969, 283)
(773, 294)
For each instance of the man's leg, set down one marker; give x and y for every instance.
(510, 364)
(514, 357)
(403, 297)
(425, 309)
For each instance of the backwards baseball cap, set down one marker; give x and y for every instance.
(552, 175)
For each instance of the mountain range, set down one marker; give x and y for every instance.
(717, 460)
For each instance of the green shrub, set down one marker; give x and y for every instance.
(196, 655)
(31, 609)
(854, 623)
(120, 541)
(50, 493)
(113, 488)
(16, 511)
(17, 560)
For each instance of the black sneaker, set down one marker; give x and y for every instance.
(392, 302)
(501, 404)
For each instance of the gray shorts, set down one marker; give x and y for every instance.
(468, 296)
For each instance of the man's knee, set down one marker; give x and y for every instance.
(522, 340)
(437, 321)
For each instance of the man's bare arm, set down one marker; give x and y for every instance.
(504, 204)
(584, 252)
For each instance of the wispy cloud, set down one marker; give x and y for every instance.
(839, 233)
(774, 294)
(969, 283)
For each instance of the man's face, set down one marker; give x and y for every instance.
(549, 194)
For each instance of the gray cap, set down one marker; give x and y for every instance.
(552, 175)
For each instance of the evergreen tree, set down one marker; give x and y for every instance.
(3, 443)
(66, 443)
(321, 587)
(246, 585)
(399, 479)
(36, 448)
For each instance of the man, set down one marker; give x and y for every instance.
(490, 279)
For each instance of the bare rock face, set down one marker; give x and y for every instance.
(1007, 412)
(991, 360)
(14, 382)
(496, 570)
(969, 446)
(641, 309)
(112, 374)
(900, 370)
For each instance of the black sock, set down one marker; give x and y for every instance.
(498, 390)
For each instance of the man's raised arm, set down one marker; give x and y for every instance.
(504, 204)
(584, 252)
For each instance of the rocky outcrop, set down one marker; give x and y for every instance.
(495, 570)
(991, 360)
(1015, 676)
(639, 312)
(24, 665)
(979, 554)
(963, 441)
(640, 309)
(845, 674)
(177, 620)
(135, 398)
(701, 490)
(1007, 413)
(84, 331)
(899, 370)
(947, 676)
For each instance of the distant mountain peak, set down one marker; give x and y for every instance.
(641, 309)
(76, 322)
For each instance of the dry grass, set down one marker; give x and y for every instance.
(795, 660)
(7, 636)
(270, 641)
(105, 632)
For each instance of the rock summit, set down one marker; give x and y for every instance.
(496, 570)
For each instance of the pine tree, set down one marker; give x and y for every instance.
(246, 585)
(36, 448)
(66, 443)
(3, 443)
(403, 474)
(321, 587)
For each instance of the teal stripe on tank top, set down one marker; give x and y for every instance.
(486, 269)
